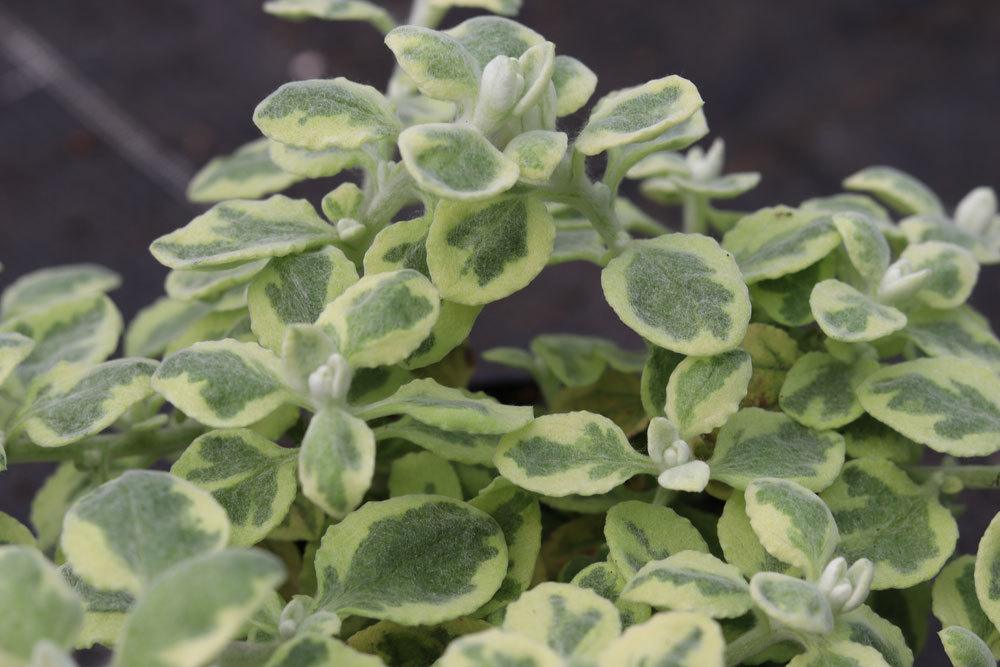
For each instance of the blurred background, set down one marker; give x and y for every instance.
(107, 109)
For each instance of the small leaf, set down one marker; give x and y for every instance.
(774, 242)
(740, 543)
(482, 252)
(75, 401)
(655, 376)
(14, 348)
(490, 36)
(840, 653)
(125, 533)
(423, 472)
(248, 173)
(450, 409)
(845, 314)
(864, 626)
(414, 559)
(104, 611)
(792, 602)
(160, 324)
(326, 113)
(865, 245)
(223, 383)
(331, 10)
(902, 192)
(953, 272)
(41, 289)
(436, 62)
(792, 523)
(337, 461)
(987, 571)
(955, 601)
(678, 639)
(604, 579)
(537, 154)
(691, 581)
(294, 290)
(887, 518)
(819, 390)
(315, 650)
(703, 392)
(243, 230)
(189, 284)
(498, 647)
(175, 624)
(681, 292)
(638, 114)
(252, 478)
(573, 453)
(869, 438)
(786, 300)
(38, 605)
(315, 164)
(382, 318)
(572, 621)
(965, 648)
(773, 353)
(13, 531)
(729, 186)
(757, 443)
(921, 228)
(574, 83)
(453, 445)
(951, 405)
(638, 533)
(401, 245)
(958, 332)
(581, 360)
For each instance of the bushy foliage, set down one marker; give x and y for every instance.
(751, 487)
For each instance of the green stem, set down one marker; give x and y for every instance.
(752, 642)
(662, 497)
(693, 212)
(971, 476)
(157, 443)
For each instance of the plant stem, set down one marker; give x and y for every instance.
(971, 476)
(749, 644)
(693, 213)
(156, 443)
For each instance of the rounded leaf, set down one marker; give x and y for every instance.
(953, 272)
(704, 392)
(965, 648)
(247, 173)
(498, 647)
(955, 602)
(740, 543)
(337, 461)
(43, 288)
(572, 621)
(902, 192)
(774, 242)
(574, 83)
(987, 571)
(819, 390)
(845, 314)
(680, 639)
(792, 602)
(691, 581)
(537, 154)
(423, 472)
(638, 533)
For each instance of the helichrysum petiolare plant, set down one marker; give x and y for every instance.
(750, 487)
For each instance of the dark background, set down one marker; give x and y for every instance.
(106, 108)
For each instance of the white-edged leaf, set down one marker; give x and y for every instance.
(865, 244)
(247, 173)
(704, 392)
(691, 581)
(456, 162)
(774, 242)
(537, 154)
(490, 36)
(498, 647)
(638, 533)
(899, 190)
(819, 390)
(678, 639)
(845, 314)
(792, 602)
(953, 272)
(574, 83)
(337, 461)
(987, 571)
(571, 621)
(965, 648)
(45, 287)
(436, 62)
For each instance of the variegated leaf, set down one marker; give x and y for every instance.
(758, 443)
(104, 611)
(248, 173)
(574, 453)
(490, 36)
(13, 531)
(401, 245)
(655, 376)
(922, 228)
(578, 361)
(452, 328)
(902, 192)
(792, 523)
(740, 543)
(331, 10)
(681, 292)
(460, 446)
(160, 324)
(951, 405)
(223, 383)
(774, 242)
(869, 438)
(604, 579)
(244, 230)
(315, 650)
(841, 653)
(38, 605)
(958, 332)
(74, 401)
(175, 624)
(691, 581)
(638, 533)
(819, 390)
(125, 533)
(482, 252)
(864, 626)
(866, 247)
(638, 114)
(252, 478)
(953, 272)
(537, 154)
(498, 647)
(678, 639)
(676, 138)
(456, 162)
(955, 601)
(572, 621)
(41, 289)
(414, 560)
(792, 602)
(382, 318)
(423, 472)
(326, 113)
(786, 300)
(190, 284)
(436, 62)
(574, 83)
(704, 392)
(315, 164)
(337, 461)
(965, 648)
(845, 314)
(295, 290)
(987, 571)
(887, 518)
(14, 348)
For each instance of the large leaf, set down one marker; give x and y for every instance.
(337, 461)
(326, 113)
(414, 560)
(126, 532)
(691, 581)
(958, 332)
(482, 252)
(572, 621)
(899, 190)
(638, 114)
(74, 401)
(703, 392)
(953, 272)
(243, 230)
(38, 605)
(175, 624)
(887, 518)
(792, 523)
(987, 571)
(792, 602)
(678, 639)
(436, 62)
(951, 405)
(43, 288)
(681, 292)
(456, 162)
(223, 383)
(758, 443)
(381, 319)
(248, 173)
(774, 242)
(845, 314)
(955, 601)
(819, 390)
(294, 290)
(250, 476)
(574, 453)
(638, 533)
